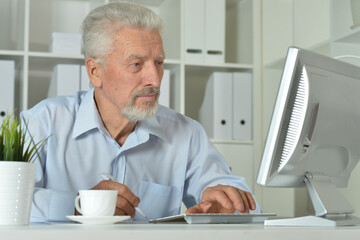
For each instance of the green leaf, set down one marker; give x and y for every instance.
(13, 143)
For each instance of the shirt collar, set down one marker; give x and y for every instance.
(151, 126)
(88, 118)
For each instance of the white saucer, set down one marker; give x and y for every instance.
(98, 220)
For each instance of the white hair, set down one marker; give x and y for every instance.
(101, 24)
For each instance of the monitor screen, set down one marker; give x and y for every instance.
(314, 135)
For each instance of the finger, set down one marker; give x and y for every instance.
(125, 192)
(237, 197)
(194, 209)
(124, 207)
(119, 212)
(243, 201)
(251, 200)
(244, 207)
(217, 194)
(202, 207)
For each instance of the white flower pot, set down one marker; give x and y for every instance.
(16, 192)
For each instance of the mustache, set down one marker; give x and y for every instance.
(145, 91)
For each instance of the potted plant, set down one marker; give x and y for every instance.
(17, 171)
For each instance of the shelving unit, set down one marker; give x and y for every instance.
(31, 23)
(325, 28)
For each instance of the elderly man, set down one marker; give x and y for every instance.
(159, 157)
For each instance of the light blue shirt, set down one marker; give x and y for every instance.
(168, 159)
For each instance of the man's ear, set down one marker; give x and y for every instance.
(94, 71)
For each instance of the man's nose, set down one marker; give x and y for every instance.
(153, 74)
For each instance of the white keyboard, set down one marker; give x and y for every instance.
(206, 218)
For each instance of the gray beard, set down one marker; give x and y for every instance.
(133, 113)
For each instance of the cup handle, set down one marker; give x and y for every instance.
(77, 205)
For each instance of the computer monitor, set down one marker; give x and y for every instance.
(314, 135)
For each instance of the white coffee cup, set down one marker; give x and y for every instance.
(95, 203)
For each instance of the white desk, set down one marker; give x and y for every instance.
(131, 231)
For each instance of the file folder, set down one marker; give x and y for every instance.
(194, 30)
(164, 98)
(7, 89)
(216, 111)
(65, 80)
(215, 31)
(205, 31)
(242, 106)
(65, 43)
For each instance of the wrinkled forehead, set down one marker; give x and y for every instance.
(138, 43)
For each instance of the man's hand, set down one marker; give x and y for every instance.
(126, 200)
(224, 199)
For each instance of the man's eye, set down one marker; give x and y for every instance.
(160, 63)
(136, 64)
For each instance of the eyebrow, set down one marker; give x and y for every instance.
(136, 56)
(132, 56)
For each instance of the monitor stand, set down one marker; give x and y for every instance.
(331, 207)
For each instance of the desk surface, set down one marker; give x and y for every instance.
(136, 231)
